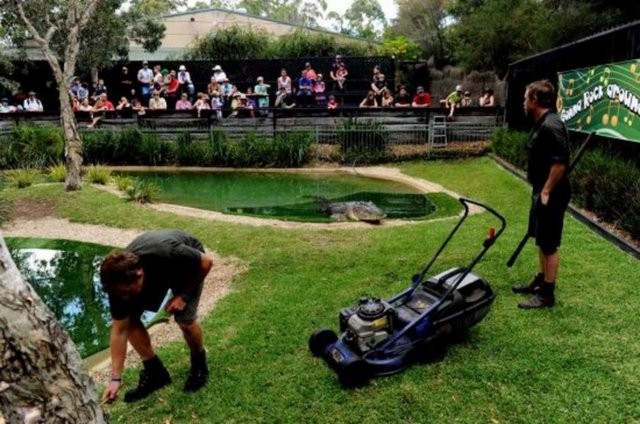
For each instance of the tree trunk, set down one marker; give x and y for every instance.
(73, 145)
(42, 379)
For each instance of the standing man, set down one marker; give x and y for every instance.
(145, 80)
(137, 279)
(548, 162)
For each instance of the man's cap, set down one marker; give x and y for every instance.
(420, 89)
(259, 79)
(182, 68)
(144, 62)
(4, 100)
(458, 87)
(307, 64)
(165, 71)
(217, 68)
(32, 93)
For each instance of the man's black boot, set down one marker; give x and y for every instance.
(544, 298)
(532, 287)
(152, 377)
(199, 372)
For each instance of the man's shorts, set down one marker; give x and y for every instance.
(190, 311)
(545, 222)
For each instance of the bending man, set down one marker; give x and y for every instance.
(138, 279)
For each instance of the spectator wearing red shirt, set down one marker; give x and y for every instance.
(421, 99)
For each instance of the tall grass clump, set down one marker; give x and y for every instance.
(123, 182)
(57, 173)
(22, 177)
(142, 192)
(98, 175)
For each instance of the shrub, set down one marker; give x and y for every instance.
(142, 192)
(253, 150)
(230, 43)
(154, 151)
(31, 146)
(57, 173)
(609, 186)
(602, 181)
(100, 146)
(363, 142)
(21, 178)
(191, 152)
(510, 146)
(292, 149)
(219, 148)
(98, 175)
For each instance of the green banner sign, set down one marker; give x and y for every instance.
(605, 99)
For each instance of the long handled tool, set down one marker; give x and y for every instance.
(524, 240)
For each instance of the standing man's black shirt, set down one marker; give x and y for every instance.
(548, 144)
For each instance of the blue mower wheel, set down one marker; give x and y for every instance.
(320, 339)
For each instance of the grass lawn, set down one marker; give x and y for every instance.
(578, 362)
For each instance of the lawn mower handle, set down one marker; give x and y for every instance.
(488, 242)
(417, 279)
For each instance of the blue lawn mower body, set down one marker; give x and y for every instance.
(383, 337)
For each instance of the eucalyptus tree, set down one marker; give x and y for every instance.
(425, 22)
(42, 378)
(61, 29)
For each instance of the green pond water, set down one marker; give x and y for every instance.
(65, 274)
(291, 196)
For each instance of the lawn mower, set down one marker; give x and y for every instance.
(383, 337)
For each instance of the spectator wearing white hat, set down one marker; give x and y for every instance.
(32, 103)
(186, 84)
(219, 74)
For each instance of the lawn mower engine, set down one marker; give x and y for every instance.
(367, 324)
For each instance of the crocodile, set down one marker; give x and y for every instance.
(352, 211)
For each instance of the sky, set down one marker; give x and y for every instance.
(388, 7)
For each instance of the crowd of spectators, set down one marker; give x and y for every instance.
(159, 88)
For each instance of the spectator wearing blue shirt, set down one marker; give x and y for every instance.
(305, 93)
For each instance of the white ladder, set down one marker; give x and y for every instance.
(438, 131)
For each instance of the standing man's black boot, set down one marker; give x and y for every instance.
(199, 372)
(544, 298)
(530, 288)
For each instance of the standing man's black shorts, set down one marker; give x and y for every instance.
(545, 222)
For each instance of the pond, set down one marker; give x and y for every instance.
(288, 195)
(65, 274)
